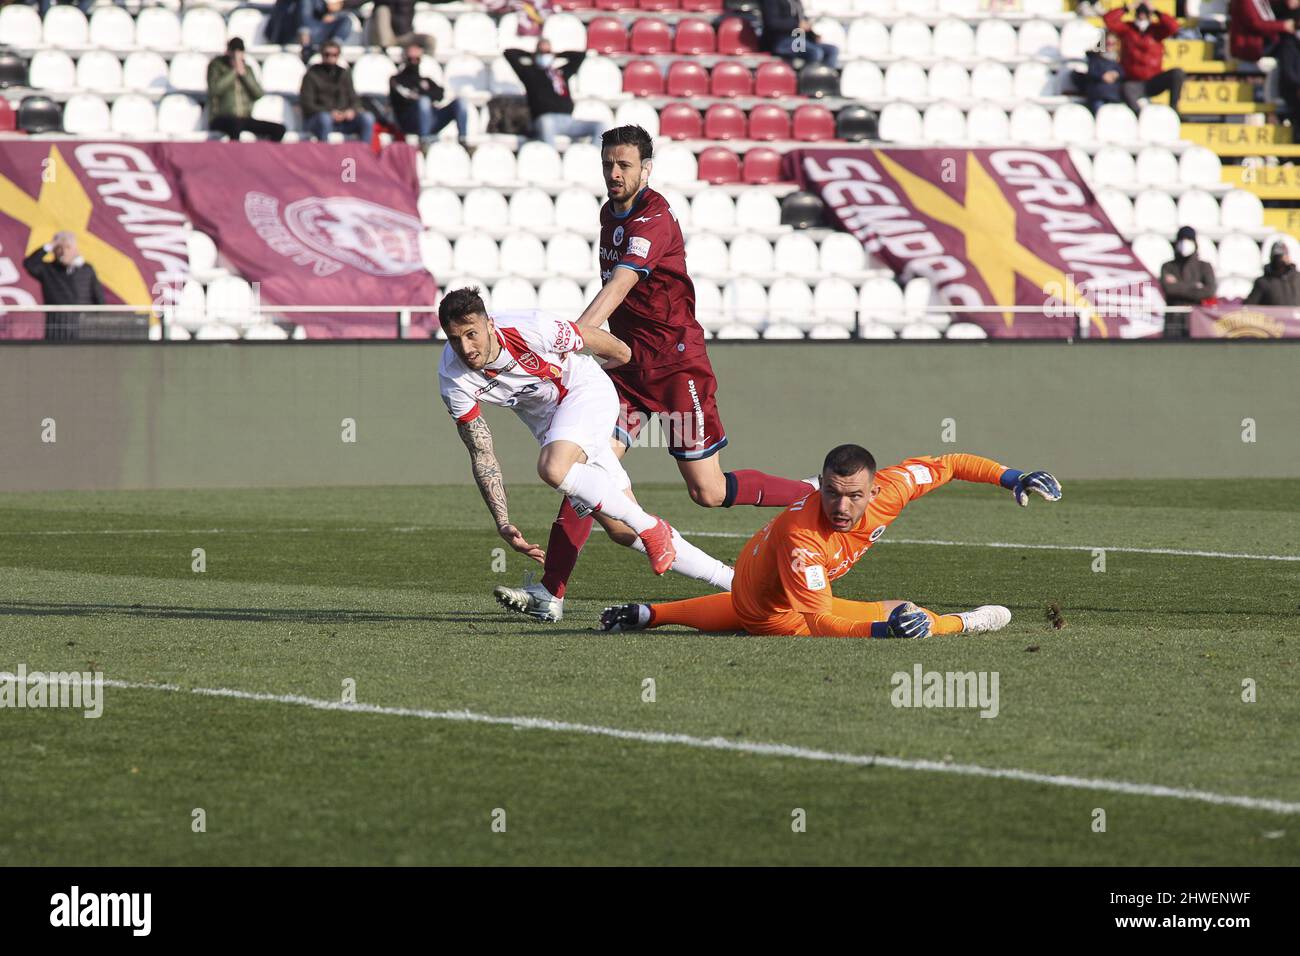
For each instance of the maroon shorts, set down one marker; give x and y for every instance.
(683, 398)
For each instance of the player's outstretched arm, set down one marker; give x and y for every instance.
(491, 483)
(610, 349)
(1020, 483)
(609, 298)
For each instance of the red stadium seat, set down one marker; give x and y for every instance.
(762, 166)
(737, 38)
(642, 78)
(612, 5)
(724, 122)
(606, 35)
(694, 37)
(775, 79)
(681, 121)
(651, 36)
(570, 4)
(813, 124)
(768, 123)
(731, 79)
(702, 6)
(8, 118)
(687, 79)
(657, 5)
(718, 165)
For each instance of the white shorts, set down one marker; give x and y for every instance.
(587, 417)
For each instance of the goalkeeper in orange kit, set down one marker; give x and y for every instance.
(783, 576)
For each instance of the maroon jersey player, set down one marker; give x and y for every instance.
(649, 301)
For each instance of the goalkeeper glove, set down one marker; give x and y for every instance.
(908, 620)
(1022, 483)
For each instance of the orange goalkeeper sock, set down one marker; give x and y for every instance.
(713, 612)
(944, 623)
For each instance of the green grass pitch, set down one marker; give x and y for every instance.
(391, 588)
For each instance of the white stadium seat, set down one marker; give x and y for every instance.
(273, 108)
(965, 330)
(595, 111)
(466, 74)
(447, 163)
(191, 308)
(679, 205)
(995, 40)
(714, 205)
(493, 163)
(134, 115)
(565, 31)
(757, 210)
(230, 302)
(830, 31)
(204, 30)
(638, 113)
(146, 72)
(991, 81)
(948, 81)
(841, 254)
(577, 210)
(582, 164)
(1238, 256)
(531, 208)
(919, 330)
(1152, 251)
(598, 76)
(966, 9)
(475, 34)
(1116, 124)
(797, 255)
(513, 293)
(282, 73)
(97, 70)
(188, 72)
(910, 38)
(880, 302)
(1112, 167)
(953, 38)
(1033, 79)
(539, 163)
(1159, 124)
(87, 115)
(904, 80)
(568, 254)
(790, 302)
(502, 79)
(370, 74)
(1038, 38)
(986, 123)
(179, 114)
(708, 304)
(1031, 124)
(674, 166)
(247, 23)
(216, 331)
(1081, 160)
(1241, 210)
(1072, 123)
(900, 123)
(435, 25)
(435, 253)
(867, 40)
(744, 301)
(439, 208)
(872, 330)
(508, 35)
(523, 254)
(1199, 166)
(157, 28)
(1118, 208)
(65, 27)
(1156, 166)
(20, 25)
(835, 303)
(706, 254)
(1155, 211)
(475, 252)
(751, 256)
(52, 71)
(560, 295)
(1078, 36)
(485, 209)
(861, 80)
(943, 123)
(1236, 288)
(1198, 209)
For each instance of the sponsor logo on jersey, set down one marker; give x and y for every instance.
(875, 535)
(800, 558)
(638, 246)
(608, 255)
(648, 218)
(487, 388)
(815, 577)
(920, 474)
(618, 235)
(565, 338)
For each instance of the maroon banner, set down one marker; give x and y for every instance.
(991, 227)
(307, 223)
(1236, 321)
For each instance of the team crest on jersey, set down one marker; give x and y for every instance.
(618, 235)
(875, 535)
(530, 362)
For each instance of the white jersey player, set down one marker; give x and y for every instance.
(528, 361)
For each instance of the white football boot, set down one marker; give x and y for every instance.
(531, 599)
(990, 617)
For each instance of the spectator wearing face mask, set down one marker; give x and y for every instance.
(1280, 283)
(414, 98)
(1254, 30)
(1142, 52)
(546, 77)
(1185, 280)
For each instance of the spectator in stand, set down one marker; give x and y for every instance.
(329, 101)
(546, 82)
(392, 23)
(232, 90)
(320, 21)
(1101, 83)
(1185, 280)
(68, 280)
(1142, 53)
(1280, 283)
(413, 97)
(788, 33)
(1254, 31)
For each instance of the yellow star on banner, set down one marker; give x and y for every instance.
(64, 204)
(988, 222)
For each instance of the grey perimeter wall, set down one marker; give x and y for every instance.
(229, 415)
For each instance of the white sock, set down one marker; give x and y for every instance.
(593, 488)
(694, 563)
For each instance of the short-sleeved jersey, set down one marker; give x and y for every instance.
(790, 563)
(535, 370)
(657, 317)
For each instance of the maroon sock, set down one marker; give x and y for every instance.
(568, 534)
(749, 487)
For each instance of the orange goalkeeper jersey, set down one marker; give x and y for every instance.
(790, 563)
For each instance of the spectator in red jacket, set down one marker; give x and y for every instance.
(1254, 30)
(1142, 53)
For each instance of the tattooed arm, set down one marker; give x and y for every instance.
(491, 484)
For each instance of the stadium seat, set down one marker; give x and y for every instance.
(191, 308)
(676, 165)
(761, 166)
(722, 121)
(835, 303)
(203, 30)
(577, 210)
(1155, 211)
(86, 114)
(537, 162)
(53, 71)
(568, 254)
(681, 121)
(708, 305)
(1199, 166)
(437, 26)
(880, 303)
(965, 330)
(282, 73)
(802, 210)
(953, 38)
(943, 123)
(158, 29)
(606, 35)
(856, 123)
(841, 254)
(439, 208)
(992, 81)
(249, 24)
(904, 80)
(731, 79)
(638, 113)
(1078, 36)
(790, 302)
(522, 254)
(750, 255)
(796, 254)
(744, 302)
(1033, 79)
(642, 78)
(98, 70)
(566, 32)
(65, 27)
(560, 295)
(768, 123)
(686, 79)
(1152, 251)
(758, 211)
(614, 6)
(830, 30)
(1038, 38)
(8, 118)
(485, 209)
(900, 123)
(530, 208)
(702, 6)
(475, 252)
(21, 26)
(775, 79)
(861, 80)
(230, 302)
(1030, 124)
(1116, 124)
(146, 72)
(514, 293)
(133, 115)
(658, 6)
(179, 114)
(987, 124)
(466, 74)
(995, 40)
(476, 34)
(680, 206)
(1238, 256)
(813, 124)
(39, 114)
(13, 70)
(1155, 166)
(651, 37)
(1238, 210)
(371, 73)
(1118, 208)
(1072, 123)
(946, 81)
(694, 37)
(919, 330)
(707, 255)
(447, 163)
(1159, 124)
(1113, 166)
(582, 162)
(493, 163)
(718, 165)
(736, 37)
(502, 80)
(188, 72)
(817, 80)
(1081, 161)
(867, 40)
(910, 39)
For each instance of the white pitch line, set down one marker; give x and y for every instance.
(735, 746)
(1176, 552)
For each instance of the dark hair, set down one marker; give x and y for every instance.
(331, 44)
(236, 43)
(459, 304)
(629, 136)
(845, 460)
